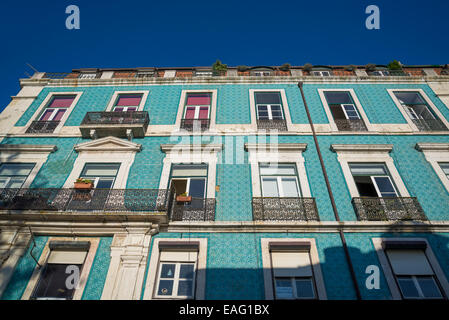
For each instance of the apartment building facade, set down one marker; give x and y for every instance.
(314, 182)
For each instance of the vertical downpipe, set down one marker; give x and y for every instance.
(331, 196)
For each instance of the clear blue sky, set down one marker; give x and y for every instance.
(131, 33)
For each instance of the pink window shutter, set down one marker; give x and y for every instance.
(190, 113)
(198, 100)
(46, 115)
(118, 109)
(59, 115)
(204, 113)
(129, 100)
(61, 102)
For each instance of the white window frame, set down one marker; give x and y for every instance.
(270, 114)
(358, 108)
(195, 154)
(144, 93)
(37, 154)
(346, 113)
(373, 179)
(277, 153)
(381, 73)
(405, 114)
(88, 75)
(175, 280)
(320, 73)
(43, 106)
(279, 182)
(118, 151)
(435, 153)
(8, 179)
(53, 114)
(78, 294)
(96, 179)
(320, 289)
(368, 153)
(197, 111)
(182, 105)
(389, 274)
(261, 73)
(153, 268)
(284, 107)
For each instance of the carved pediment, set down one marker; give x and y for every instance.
(108, 144)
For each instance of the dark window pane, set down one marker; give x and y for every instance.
(268, 98)
(284, 289)
(428, 287)
(185, 287)
(385, 186)
(337, 97)
(52, 283)
(165, 287)
(186, 271)
(365, 186)
(408, 287)
(168, 270)
(337, 111)
(304, 288)
(409, 98)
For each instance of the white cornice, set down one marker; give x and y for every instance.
(28, 148)
(108, 144)
(191, 147)
(279, 147)
(435, 147)
(368, 148)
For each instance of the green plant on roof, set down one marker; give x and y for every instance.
(394, 65)
(218, 66)
(242, 68)
(370, 67)
(285, 67)
(307, 67)
(351, 67)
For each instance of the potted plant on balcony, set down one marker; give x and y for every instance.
(219, 68)
(83, 184)
(183, 197)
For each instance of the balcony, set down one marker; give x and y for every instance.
(430, 125)
(388, 209)
(85, 200)
(119, 124)
(285, 209)
(42, 127)
(199, 209)
(350, 125)
(195, 124)
(279, 125)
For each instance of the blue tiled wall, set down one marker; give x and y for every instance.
(26, 265)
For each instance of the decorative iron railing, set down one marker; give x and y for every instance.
(115, 117)
(198, 209)
(209, 73)
(282, 209)
(195, 124)
(378, 209)
(102, 200)
(350, 125)
(42, 127)
(279, 125)
(430, 125)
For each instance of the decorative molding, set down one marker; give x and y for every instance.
(432, 147)
(108, 144)
(434, 154)
(191, 147)
(279, 147)
(361, 148)
(28, 148)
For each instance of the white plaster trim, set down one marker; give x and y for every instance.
(285, 107)
(368, 154)
(360, 109)
(314, 259)
(425, 97)
(110, 143)
(434, 154)
(45, 103)
(389, 275)
(212, 111)
(200, 288)
(78, 294)
(117, 93)
(190, 153)
(277, 153)
(21, 153)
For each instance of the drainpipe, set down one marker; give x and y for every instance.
(331, 196)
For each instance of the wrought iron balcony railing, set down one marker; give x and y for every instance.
(279, 125)
(350, 125)
(115, 117)
(42, 127)
(199, 209)
(95, 200)
(430, 125)
(282, 209)
(195, 124)
(378, 209)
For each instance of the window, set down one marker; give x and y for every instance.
(372, 180)
(341, 104)
(197, 106)
(88, 76)
(203, 73)
(103, 175)
(127, 102)
(190, 179)
(146, 74)
(445, 168)
(60, 264)
(13, 175)
(176, 275)
(414, 105)
(261, 73)
(322, 73)
(380, 73)
(293, 276)
(413, 273)
(279, 180)
(269, 106)
(56, 108)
